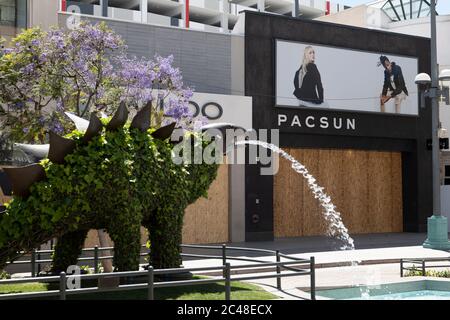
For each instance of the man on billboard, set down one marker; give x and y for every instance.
(394, 86)
(307, 81)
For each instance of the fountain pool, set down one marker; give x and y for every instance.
(407, 290)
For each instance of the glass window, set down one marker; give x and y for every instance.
(447, 175)
(13, 17)
(447, 171)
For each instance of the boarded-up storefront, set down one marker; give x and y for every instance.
(365, 186)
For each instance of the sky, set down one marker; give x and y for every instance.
(443, 6)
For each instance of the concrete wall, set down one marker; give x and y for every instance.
(203, 57)
(353, 17)
(360, 16)
(421, 27)
(366, 17)
(43, 13)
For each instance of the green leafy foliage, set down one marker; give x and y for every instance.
(4, 275)
(119, 181)
(417, 272)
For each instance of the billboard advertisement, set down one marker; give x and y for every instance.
(318, 76)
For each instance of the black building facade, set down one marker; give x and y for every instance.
(371, 131)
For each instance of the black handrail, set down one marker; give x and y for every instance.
(226, 270)
(151, 284)
(422, 263)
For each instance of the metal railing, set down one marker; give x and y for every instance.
(35, 258)
(307, 267)
(150, 285)
(422, 264)
(258, 263)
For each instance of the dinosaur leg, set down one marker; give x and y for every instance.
(165, 230)
(127, 243)
(67, 250)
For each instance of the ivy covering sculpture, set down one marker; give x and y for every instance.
(115, 176)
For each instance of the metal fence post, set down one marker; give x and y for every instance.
(423, 268)
(62, 286)
(96, 259)
(227, 272)
(224, 256)
(151, 281)
(278, 270)
(401, 268)
(33, 263)
(38, 263)
(313, 279)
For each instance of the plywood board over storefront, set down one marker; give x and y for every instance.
(365, 187)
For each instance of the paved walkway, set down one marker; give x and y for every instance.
(377, 258)
(370, 249)
(377, 261)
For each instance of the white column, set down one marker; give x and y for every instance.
(226, 6)
(224, 15)
(144, 11)
(104, 7)
(183, 13)
(261, 5)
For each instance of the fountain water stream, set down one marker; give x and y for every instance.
(335, 228)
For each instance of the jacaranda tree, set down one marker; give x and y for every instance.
(82, 70)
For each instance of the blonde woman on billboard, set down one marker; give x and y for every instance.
(307, 81)
(394, 86)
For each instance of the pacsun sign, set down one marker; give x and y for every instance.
(310, 121)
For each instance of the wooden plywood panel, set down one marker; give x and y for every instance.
(290, 184)
(312, 218)
(297, 186)
(206, 220)
(365, 186)
(354, 182)
(380, 196)
(397, 192)
(329, 177)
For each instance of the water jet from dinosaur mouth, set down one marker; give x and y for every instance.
(336, 228)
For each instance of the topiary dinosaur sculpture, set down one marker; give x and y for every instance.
(114, 176)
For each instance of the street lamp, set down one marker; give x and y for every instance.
(437, 228)
(444, 75)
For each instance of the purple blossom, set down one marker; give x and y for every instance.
(59, 105)
(64, 65)
(56, 127)
(35, 42)
(28, 69)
